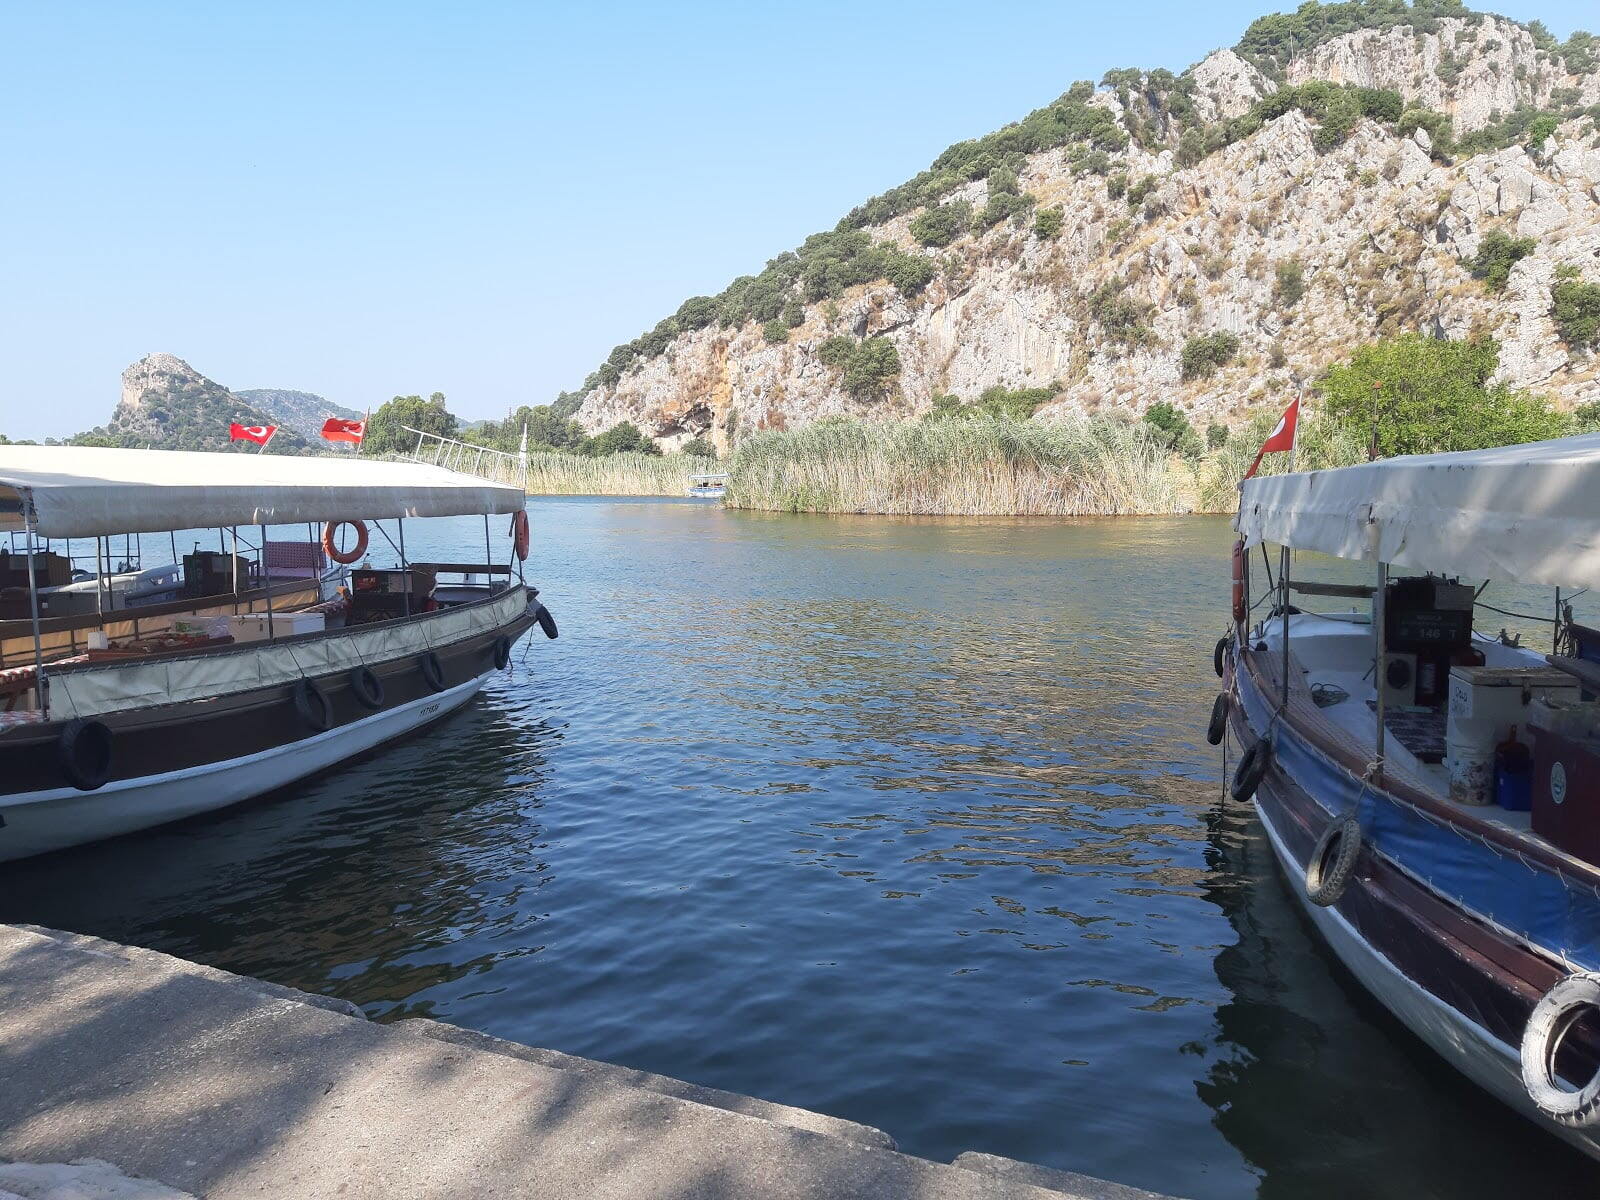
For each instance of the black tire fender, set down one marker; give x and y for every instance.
(84, 752)
(1219, 655)
(432, 671)
(1333, 861)
(502, 652)
(1219, 719)
(368, 688)
(313, 705)
(1548, 1025)
(547, 622)
(1252, 767)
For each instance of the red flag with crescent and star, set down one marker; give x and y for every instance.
(334, 429)
(1281, 438)
(259, 434)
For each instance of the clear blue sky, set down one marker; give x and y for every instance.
(481, 199)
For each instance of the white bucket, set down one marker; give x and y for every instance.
(1471, 741)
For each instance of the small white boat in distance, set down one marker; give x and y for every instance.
(711, 485)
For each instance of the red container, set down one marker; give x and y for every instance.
(1566, 793)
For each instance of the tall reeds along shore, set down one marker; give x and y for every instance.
(989, 465)
(626, 474)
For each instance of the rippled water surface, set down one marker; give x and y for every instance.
(910, 821)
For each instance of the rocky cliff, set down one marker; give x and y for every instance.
(167, 405)
(1224, 233)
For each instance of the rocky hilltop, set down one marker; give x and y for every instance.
(1346, 172)
(301, 412)
(167, 405)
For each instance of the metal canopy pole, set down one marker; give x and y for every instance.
(404, 566)
(488, 552)
(1283, 579)
(266, 579)
(41, 696)
(1380, 643)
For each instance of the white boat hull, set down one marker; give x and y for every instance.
(39, 822)
(1465, 1045)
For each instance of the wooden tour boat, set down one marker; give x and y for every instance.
(259, 672)
(1432, 794)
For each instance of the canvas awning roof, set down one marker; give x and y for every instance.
(1524, 514)
(86, 491)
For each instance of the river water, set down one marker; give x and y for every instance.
(907, 820)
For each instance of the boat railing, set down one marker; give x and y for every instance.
(467, 458)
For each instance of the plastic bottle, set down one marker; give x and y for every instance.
(1513, 775)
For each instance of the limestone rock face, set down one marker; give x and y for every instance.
(167, 405)
(1379, 230)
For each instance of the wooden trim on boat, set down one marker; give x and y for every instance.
(1306, 719)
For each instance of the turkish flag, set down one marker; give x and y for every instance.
(1281, 437)
(259, 434)
(336, 430)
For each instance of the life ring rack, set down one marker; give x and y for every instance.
(331, 548)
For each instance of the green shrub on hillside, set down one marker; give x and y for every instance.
(868, 368)
(1575, 308)
(1429, 394)
(1047, 223)
(1202, 356)
(1290, 285)
(1497, 253)
(1121, 317)
(775, 331)
(942, 224)
(909, 273)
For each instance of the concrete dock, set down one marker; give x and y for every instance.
(161, 1079)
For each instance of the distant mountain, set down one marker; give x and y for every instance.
(302, 412)
(167, 405)
(1348, 171)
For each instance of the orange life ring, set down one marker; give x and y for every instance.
(345, 557)
(1239, 610)
(519, 534)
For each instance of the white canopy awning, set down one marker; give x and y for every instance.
(1524, 514)
(84, 491)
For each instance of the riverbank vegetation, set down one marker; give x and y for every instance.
(628, 473)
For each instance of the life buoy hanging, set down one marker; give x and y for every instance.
(1239, 609)
(519, 534)
(331, 548)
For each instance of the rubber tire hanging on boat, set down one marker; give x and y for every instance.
(1219, 719)
(367, 687)
(313, 705)
(1548, 1025)
(1333, 861)
(1252, 766)
(84, 750)
(1219, 655)
(547, 623)
(502, 652)
(432, 671)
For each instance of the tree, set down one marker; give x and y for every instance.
(943, 224)
(622, 438)
(385, 432)
(1429, 394)
(1576, 309)
(1203, 355)
(1497, 253)
(1047, 223)
(1291, 282)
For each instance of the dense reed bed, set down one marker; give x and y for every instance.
(974, 465)
(612, 474)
